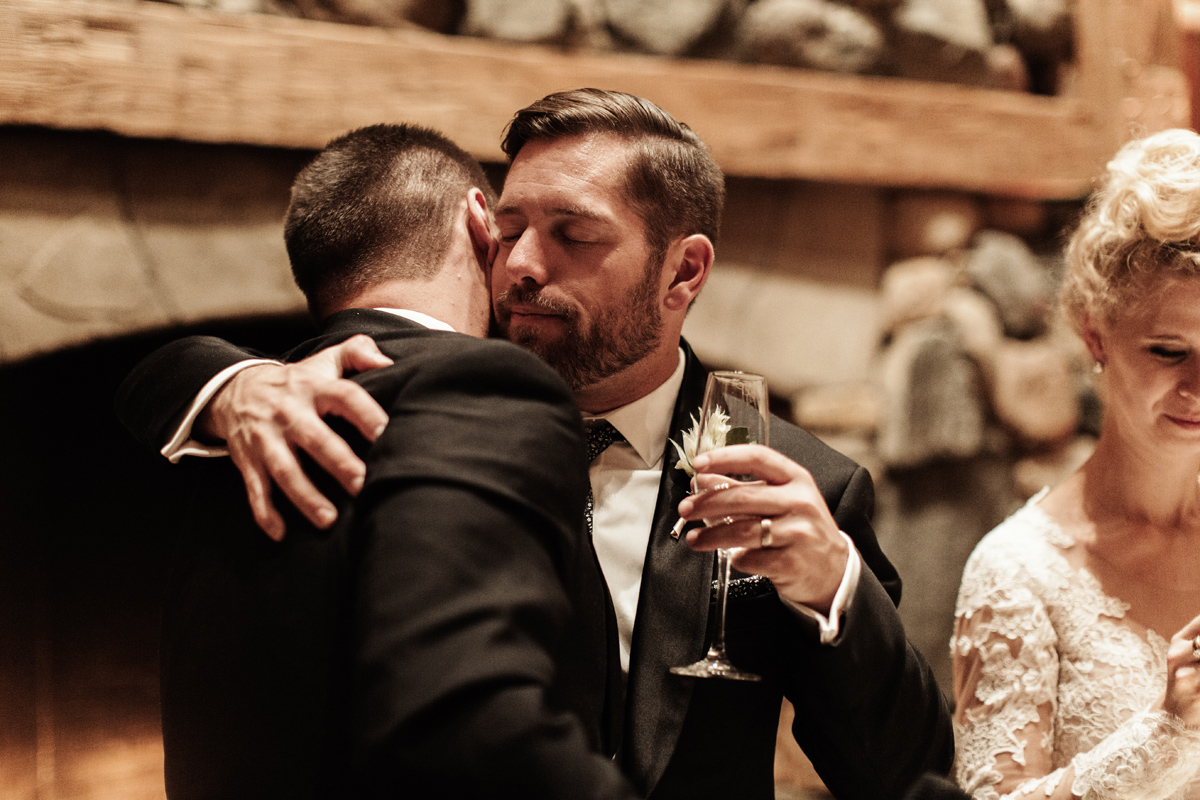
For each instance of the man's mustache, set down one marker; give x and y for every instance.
(534, 299)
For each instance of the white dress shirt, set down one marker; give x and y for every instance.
(625, 480)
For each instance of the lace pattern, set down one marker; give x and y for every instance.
(1150, 756)
(1055, 680)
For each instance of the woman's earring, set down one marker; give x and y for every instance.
(1098, 367)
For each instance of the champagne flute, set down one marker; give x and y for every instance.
(734, 411)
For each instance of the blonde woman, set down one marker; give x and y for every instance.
(1077, 640)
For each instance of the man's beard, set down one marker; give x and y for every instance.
(621, 335)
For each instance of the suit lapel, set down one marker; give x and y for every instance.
(672, 614)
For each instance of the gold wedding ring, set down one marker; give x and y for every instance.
(764, 535)
(1196, 648)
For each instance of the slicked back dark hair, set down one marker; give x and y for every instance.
(671, 181)
(377, 203)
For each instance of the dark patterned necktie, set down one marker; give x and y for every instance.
(601, 434)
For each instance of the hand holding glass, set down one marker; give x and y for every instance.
(735, 411)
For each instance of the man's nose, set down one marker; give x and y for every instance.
(526, 260)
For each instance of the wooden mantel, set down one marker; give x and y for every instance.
(146, 69)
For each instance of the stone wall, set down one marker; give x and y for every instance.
(978, 394)
(1023, 45)
(103, 236)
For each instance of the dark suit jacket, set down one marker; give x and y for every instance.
(935, 787)
(413, 649)
(869, 713)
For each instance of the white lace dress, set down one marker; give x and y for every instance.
(1054, 676)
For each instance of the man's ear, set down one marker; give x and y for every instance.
(688, 263)
(479, 228)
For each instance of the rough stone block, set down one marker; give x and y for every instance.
(932, 223)
(99, 240)
(827, 233)
(1042, 28)
(958, 23)
(977, 325)
(437, 15)
(811, 34)
(797, 332)
(942, 40)
(668, 27)
(915, 289)
(838, 407)
(933, 401)
(589, 30)
(1003, 267)
(528, 21)
(1034, 391)
(1006, 68)
(929, 520)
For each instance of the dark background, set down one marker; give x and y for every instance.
(85, 539)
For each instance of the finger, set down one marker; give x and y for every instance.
(266, 516)
(354, 404)
(730, 497)
(286, 473)
(1184, 647)
(1183, 644)
(713, 482)
(330, 452)
(749, 459)
(360, 353)
(724, 534)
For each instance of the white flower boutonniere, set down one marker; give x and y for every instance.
(714, 436)
(717, 433)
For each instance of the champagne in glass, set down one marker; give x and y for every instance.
(735, 411)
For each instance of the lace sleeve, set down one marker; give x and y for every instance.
(1005, 680)
(1005, 686)
(1150, 757)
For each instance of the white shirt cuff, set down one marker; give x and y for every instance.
(830, 626)
(182, 444)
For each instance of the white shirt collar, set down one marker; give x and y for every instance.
(419, 318)
(646, 422)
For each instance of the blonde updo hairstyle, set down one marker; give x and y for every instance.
(1139, 230)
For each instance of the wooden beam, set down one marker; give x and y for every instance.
(159, 70)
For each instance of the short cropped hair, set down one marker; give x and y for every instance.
(1139, 228)
(377, 203)
(672, 181)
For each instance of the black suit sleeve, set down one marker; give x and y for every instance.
(888, 722)
(853, 513)
(935, 787)
(463, 538)
(156, 394)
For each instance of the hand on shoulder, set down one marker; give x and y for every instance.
(267, 413)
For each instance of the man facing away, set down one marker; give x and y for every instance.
(607, 224)
(411, 650)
